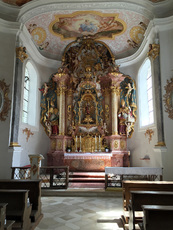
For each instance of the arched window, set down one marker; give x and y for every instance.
(29, 95)
(145, 94)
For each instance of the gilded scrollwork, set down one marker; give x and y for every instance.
(149, 133)
(106, 112)
(21, 53)
(154, 51)
(168, 98)
(69, 112)
(4, 100)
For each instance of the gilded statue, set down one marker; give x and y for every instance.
(52, 119)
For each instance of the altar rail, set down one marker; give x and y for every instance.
(115, 175)
(56, 177)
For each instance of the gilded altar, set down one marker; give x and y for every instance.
(88, 106)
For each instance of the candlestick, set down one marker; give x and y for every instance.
(99, 144)
(80, 144)
(76, 143)
(95, 144)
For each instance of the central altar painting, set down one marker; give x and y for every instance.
(88, 109)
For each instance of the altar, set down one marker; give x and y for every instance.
(88, 109)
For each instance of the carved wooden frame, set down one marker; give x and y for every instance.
(6, 103)
(167, 98)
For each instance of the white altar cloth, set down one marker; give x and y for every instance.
(133, 171)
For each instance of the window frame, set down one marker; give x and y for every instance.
(152, 125)
(35, 126)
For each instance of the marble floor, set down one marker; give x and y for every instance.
(85, 213)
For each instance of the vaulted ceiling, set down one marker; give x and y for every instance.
(53, 25)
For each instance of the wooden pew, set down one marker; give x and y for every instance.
(34, 187)
(17, 208)
(2, 215)
(157, 217)
(4, 224)
(134, 185)
(139, 198)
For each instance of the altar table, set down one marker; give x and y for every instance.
(148, 172)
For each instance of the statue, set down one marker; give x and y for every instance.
(53, 118)
(123, 116)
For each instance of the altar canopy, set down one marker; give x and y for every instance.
(88, 107)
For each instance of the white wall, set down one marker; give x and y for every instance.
(166, 58)
(7, 59)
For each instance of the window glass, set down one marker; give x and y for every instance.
(29, 95)
(145, 95)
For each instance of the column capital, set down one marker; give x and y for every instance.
(154, 51)
(115, 90)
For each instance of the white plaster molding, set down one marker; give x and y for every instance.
(163, 24)
(154, 26)
(40, 7)
(9, 27)
(8, 12)
(143, 49)
(35, 55)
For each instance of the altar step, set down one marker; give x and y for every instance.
(86, 180)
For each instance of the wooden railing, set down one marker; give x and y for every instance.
(56, 177)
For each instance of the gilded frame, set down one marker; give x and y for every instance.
(168, 98)
(4, 100)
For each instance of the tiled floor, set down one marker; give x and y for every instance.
(85, 213)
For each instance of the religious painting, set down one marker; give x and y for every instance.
(16, 2)
(87, 23)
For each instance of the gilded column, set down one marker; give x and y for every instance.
(114, 110)
(62, 111)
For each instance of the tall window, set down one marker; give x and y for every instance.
(26, 96)
(145, 93)
(29, 95)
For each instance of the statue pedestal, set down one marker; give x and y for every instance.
(35, 166)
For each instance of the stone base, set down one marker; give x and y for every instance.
(88, 162)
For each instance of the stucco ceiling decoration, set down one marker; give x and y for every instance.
(22, 2)
(87, 23)
(51, 32)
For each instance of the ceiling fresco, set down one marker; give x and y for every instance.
(86, 23)
(121, 30)
(22, 2)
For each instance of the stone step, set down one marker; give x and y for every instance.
(89, 179)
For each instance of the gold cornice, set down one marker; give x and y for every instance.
(14, 144)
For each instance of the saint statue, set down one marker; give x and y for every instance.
(53, 118)
(122, 116)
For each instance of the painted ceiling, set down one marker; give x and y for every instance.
(52, 32)
(122, 30)
(22, 2)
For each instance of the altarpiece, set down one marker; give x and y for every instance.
(88, 109)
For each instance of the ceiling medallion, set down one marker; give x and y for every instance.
(39, 35)
(87, 23)
(4, 100)
(168, 98)
(137, 34)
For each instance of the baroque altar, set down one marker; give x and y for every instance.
(88, 109)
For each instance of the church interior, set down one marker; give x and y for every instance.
(86, 85)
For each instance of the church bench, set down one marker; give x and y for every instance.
(157, 217)
(134, 185)
(34, 187)
(139, 198)
(4, 224)
(17, 208)
(2, 215)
